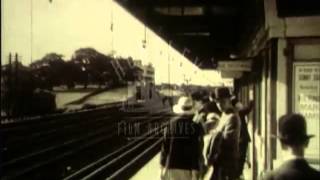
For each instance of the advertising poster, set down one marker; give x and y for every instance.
(306, 94)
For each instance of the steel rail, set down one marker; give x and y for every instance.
(62, 155)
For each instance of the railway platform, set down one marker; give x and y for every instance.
(152, 169)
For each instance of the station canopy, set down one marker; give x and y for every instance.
(203, 30)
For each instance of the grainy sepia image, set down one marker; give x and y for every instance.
(160, 90)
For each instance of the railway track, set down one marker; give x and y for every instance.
(119, 163)
(62, 147)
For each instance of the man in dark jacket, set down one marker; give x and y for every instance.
(181, 148)
(293, 138)
(244, 133)
(226, 165)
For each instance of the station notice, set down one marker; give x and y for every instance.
(234, 65)
(306, 94)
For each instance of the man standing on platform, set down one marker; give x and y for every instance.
(181, 147)
(293, 138)
(244, 133)
(226, 163)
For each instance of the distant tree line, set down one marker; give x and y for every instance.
(26, 90)
(86, 66)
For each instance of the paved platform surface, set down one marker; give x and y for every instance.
(152, 171)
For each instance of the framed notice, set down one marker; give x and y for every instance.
(306, 100)
(244, 65)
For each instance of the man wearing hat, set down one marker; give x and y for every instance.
(211, 106)
(181, 147)
(213, 113)
(225, 167)
(293, 138)
(207, 115)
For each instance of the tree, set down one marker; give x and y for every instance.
(18, 96)
(96, 67)
(72, 74)
(49, 69)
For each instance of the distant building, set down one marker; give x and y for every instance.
(145, 83)
(148, 74)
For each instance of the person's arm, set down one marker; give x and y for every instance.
(245, 111)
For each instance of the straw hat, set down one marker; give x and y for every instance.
(184, 106)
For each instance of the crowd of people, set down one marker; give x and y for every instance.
(209, 138)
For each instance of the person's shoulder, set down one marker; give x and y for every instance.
(307, 169)
(187, 116)
(268, 176)
(294, 169)
(182, 119)
(314, 174)
(175, 119)
(277, 173)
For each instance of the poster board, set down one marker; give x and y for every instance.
(306, 100)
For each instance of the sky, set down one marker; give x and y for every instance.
(33, 28)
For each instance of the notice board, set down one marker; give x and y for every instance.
(306, 100)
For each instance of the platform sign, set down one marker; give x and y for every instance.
(234, 65)
(306, 100)
(231, 74)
